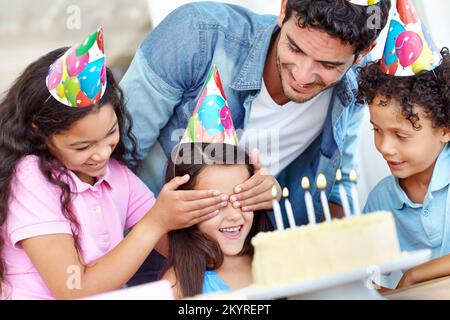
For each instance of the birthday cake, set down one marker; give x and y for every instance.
(324, 249)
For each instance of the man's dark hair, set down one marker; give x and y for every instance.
(339, 18)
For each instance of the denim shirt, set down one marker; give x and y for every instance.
(168, 71)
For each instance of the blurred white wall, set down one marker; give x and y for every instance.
(158, 9)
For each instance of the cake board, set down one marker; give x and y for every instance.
(354, 285)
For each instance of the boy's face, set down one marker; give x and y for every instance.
(88, 144)
(409, 153)
(231, 226)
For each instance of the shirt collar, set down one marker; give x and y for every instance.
(81, 186)
(249, 76)
(439, 180)
(441, 172)
(399, 196)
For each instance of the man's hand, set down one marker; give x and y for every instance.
(176, 209)
(255, 193)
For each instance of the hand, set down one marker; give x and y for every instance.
(406, 281)
(177, 209)
(256, 193)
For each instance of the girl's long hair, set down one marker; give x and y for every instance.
(191, 252)
(30, 116)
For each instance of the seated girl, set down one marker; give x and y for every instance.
(214, 255)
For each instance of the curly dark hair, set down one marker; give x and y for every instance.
(29, 117)
(341, 19)
(429, 90)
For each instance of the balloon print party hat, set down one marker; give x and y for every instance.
(211, 121)
(409, 47)
(78, 78)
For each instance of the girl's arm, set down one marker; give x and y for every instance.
(63, 271)
(68, 277)
(433, 269)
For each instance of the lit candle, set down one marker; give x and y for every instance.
(321, 185)
(277, 209)
(288, 207)
(356, 208)
(308, 201)
(343, 194)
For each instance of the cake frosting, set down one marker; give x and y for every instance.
(324, 249)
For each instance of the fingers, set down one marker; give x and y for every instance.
(176, 182)
(205, 211)
(193, 195)
(266, 205)
(264, 188)
(204, 217)
(206, 204)
(254, 181)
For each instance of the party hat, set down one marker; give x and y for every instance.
(211, 120)
(364, 2)
(409, 47)
(78, 78)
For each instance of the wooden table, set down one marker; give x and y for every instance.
(437, 289)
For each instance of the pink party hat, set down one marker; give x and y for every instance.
(211, 120)
(78, 78)
(409, 47)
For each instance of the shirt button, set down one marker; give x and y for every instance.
(426, 213)
(97, 209)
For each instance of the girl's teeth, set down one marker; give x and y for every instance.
(230, 229)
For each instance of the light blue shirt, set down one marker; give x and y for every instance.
(424, 225)
(213, 283)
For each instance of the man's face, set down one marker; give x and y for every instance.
(309, 60)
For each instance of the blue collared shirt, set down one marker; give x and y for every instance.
(164, 80)
(424, 225)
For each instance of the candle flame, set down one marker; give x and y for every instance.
(321, 181)
(338, 175)
(274, 192)
(285, 192)
(305, 183)
(353, 175)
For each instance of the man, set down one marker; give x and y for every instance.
(290, 78)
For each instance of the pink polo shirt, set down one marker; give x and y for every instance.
(117, 201)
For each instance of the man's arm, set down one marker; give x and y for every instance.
(149, 101)
(165, 66)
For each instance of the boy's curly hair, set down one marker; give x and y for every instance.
(429, 90)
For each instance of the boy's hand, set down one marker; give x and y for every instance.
(177, 209)
(255, 193)
(406, 280)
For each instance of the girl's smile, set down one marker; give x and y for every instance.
(232, 232)
(85, 148)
